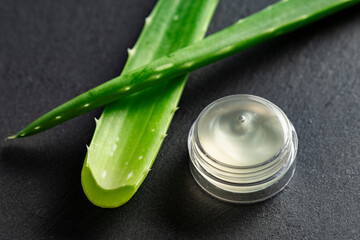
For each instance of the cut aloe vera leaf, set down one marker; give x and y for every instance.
(130, 132)
(277, 19)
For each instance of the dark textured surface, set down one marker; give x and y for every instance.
(51, 51)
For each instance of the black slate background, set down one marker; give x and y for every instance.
(51, 51)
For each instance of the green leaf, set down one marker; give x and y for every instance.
(277, 19)
(130, 132)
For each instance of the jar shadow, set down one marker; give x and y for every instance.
(197, 213)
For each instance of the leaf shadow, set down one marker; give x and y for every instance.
(62, 211)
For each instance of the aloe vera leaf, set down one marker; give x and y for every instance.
(129, 133)
(275, 20)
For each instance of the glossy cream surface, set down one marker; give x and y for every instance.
(241, 130)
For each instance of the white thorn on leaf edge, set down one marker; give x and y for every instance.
(131, 51)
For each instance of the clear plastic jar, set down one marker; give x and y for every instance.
(242, 149)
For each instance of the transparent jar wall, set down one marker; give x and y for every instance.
(237, 180)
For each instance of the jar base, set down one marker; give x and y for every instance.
(242, 198)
